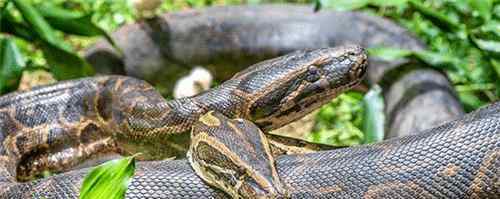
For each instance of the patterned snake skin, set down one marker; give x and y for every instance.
(459, 159)
(227, 39)
(60, 126)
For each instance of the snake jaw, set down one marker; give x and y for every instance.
(234, 155)
(324, 74)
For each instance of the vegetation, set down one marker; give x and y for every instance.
(463, 37)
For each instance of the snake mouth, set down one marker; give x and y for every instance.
(359, 63)
(359, 69)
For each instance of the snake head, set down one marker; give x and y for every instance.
(288, 87)
(234, 155)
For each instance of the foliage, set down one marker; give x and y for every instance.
(42, 27)
(463, 38)
(11, 64)
(340, 122)
(108, 180)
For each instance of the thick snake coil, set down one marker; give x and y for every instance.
(459, 159)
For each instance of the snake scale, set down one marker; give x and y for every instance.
(459, 159)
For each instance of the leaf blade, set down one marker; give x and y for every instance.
(109, 180)
(12, 64)
(35, 20)
(65, 64)
(373, 117)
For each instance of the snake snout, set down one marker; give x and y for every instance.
(357, 62)
(344, 66)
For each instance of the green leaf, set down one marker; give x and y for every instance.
(436, 17)
(11, 26)
(470, 101)
(64, 63)
(373, 118)
(436, 59)
(488, 45)
(482, 7)
(492, 26)
(474, 87)
(12, 64)
(429, 57)
(389, 54)
(74, 23)
(345, 5)
(109, 180)
(36, 21)
(50, 11)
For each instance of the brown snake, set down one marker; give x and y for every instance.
(459, 159)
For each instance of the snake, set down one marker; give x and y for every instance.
(455, 160)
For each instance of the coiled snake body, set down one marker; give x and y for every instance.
(116, 114)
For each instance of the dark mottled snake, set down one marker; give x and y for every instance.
(58, 126)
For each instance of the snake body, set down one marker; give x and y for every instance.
(459, 159)
(59, 126)
(456, 160)
(230, 38)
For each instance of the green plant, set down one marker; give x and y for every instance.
(43, 27)
(463, 37)
(109, 180)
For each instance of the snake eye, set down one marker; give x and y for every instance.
(313, 74)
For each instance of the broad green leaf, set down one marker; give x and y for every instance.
(36, 21)
(74, 23)
(436, 17)
(64, 63)
(9, 25)
(345, 5)
(109, 180)
(12, 64)
(389, 54)
(482, 7)
(488, 45)
(373, 118)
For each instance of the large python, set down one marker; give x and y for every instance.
(459, 159)
(321, 174)
(230, 38)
